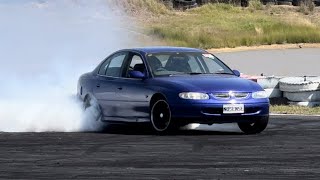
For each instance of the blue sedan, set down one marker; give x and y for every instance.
(169, 87)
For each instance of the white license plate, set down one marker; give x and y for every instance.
(233, 108)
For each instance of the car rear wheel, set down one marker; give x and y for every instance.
(93, 108)
(254, 128)
(160, 116)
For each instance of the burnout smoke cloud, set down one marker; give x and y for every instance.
(44, 47)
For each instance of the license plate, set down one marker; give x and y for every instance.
(233, 108)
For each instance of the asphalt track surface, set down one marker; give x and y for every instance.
(288, 149)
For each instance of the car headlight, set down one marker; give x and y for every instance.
(194, 95)
(259, 95)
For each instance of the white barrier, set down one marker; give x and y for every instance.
(299, 84)
(273, 93)
(300, 91)
(268, 82)
(310, 96)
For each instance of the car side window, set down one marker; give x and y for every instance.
(135, 60)
(136, 64)
(112, 66)
(104, 66)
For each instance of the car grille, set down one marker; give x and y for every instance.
(231, 95)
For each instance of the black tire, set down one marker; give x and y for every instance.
(296, 2)
(184, 4)
(175, 5)
(160, 117)
(244, 3)
(271, 2)
(256, 127)
(284, 2)
(202, 2)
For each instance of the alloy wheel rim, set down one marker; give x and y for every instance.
(160, 115)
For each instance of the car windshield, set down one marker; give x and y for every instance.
(169, 64)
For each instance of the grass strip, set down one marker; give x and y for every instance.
(224, 25)
(295, 110)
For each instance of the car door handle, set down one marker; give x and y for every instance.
(98, 85)
(120, 88)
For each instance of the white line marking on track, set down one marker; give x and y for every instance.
(302, 115)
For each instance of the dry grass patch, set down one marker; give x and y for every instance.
(295, 110)
(142, 7)
(224, 25)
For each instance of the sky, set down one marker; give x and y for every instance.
(44, 48)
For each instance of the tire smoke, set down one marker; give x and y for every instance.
(45, 46)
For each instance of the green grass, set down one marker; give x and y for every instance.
(223, 25)
(295, 110)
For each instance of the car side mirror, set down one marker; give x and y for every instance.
(236, 72)
(136, 74)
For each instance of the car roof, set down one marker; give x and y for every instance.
(160, 49)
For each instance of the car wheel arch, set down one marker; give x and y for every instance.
(155, 97)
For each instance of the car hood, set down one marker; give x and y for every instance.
(210, 83)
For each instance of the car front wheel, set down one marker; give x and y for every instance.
(160, 116)
(254, 128)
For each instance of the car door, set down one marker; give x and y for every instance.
(106, 85)
(133, 93)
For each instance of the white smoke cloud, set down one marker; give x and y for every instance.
(44, 47)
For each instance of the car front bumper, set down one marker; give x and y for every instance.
(213, 113)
